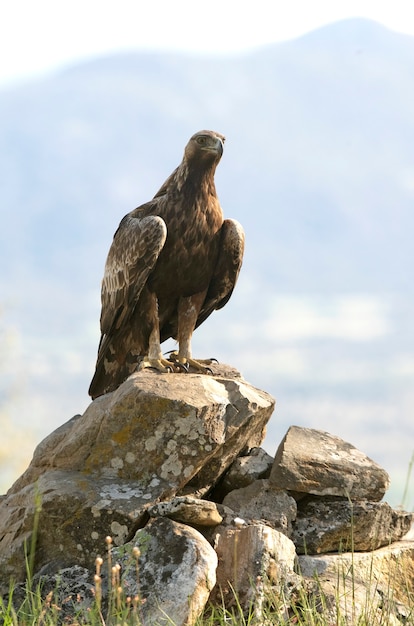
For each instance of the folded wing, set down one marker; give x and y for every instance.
(227, 269)
(134, 251)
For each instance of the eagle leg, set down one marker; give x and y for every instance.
(154, 359)
(188, 310)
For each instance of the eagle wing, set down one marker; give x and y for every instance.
(134, 251)
(227, 269)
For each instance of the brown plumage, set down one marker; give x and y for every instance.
(172, 262)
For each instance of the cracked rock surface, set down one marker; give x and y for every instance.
(156, 436)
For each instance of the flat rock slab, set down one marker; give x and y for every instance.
(188, 510)
(313, 461)
(363, 587)
(97, 474)
(331, 525)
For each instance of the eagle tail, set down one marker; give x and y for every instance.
(116, 361)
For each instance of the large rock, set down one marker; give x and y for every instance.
(363, 587)
(145, 442)
(313, 461)
(332, 525)
(173, 574)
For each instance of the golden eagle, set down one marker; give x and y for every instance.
(172, 262)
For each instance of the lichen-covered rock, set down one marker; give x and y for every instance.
(74, 514)
(169, 578)
(261, 501)
(97, 474)
(332, 525)
(313, 461)
(173, 574)
(72, 591)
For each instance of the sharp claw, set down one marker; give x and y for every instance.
(188, 364)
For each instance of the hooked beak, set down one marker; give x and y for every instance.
(219, 146)
(216, 147)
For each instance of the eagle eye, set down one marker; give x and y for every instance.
(201, 140)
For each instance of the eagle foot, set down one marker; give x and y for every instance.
(161, 365)
(186, 363)
(181, 367)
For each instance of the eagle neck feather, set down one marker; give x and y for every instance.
(196, 178)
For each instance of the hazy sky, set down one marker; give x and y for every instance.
(37, 36)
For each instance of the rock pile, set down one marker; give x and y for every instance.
(170, 468)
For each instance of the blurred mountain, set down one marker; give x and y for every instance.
(318, 167)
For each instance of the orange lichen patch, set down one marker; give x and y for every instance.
(123, 436)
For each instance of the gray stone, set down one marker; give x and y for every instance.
(97, 474)
(173, 574)
(188, 510)
(362, 587)
(246, 469)
(251, 560)
(261, 501)
(328, 525)
(313, 461)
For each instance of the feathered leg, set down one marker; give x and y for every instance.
(188, 311)
(154, 358)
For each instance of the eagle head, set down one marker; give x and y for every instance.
(206, 145)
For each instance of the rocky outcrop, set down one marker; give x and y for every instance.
(146, 442)
(165, 478)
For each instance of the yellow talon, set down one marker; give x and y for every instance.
(161, 365)
(200, 365)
